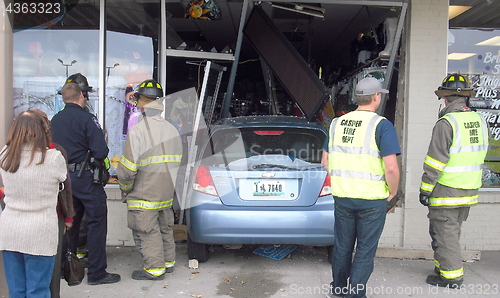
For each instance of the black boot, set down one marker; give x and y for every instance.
(443, 282)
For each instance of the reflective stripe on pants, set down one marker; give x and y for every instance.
(152, 230)
(444, 228)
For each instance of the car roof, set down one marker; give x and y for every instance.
(267, 121)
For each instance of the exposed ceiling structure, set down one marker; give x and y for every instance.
(320, 41)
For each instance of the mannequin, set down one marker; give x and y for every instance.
(390, 25)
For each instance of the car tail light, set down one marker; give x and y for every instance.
(203, 181)
(268, 132)
(326, 189)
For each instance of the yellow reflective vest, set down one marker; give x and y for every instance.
(356, 166)
(467, 153)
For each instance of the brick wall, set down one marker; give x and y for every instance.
(118, 232)
(426, 36)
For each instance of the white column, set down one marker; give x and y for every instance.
(6, 72)
(426, 68)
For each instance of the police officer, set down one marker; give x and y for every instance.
(81, 135)
(452, 177)
(147, 172)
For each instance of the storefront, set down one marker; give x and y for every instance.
(117, 49)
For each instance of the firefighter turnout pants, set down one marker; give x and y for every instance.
(444, 228)
(154, 237)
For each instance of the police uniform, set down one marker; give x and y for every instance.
(146, 173)
(78, 131)
(451, 181)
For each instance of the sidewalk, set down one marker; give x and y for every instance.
(303, 273)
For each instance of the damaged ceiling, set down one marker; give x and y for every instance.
(320, 41)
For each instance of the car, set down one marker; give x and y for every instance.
(260, 181)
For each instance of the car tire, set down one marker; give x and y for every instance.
(197, 251)
(329, 250)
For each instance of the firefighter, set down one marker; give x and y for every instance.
(80, 134)
(452, 177)
(146, 173)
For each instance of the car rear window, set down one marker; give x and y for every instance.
(232, 144)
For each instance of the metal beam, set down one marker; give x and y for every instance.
(392, 59)
(232, 76)
(347, 2)
(102, 62)
(199, 55)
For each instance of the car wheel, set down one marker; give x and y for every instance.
(329, 254)
(197, 251)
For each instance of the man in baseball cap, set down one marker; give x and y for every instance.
(369, 86)
(360, 156)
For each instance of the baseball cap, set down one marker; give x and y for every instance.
(369, 86)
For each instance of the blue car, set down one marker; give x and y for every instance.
(260, 181)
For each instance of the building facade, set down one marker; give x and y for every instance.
(425, 43)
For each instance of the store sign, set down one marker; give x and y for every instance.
(487, 103)
(487, 85)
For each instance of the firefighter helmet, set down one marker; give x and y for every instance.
(454, 85)
(149, 94)
(150, 89)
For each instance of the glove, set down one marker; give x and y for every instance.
(424, 199)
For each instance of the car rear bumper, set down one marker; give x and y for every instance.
(214, 223)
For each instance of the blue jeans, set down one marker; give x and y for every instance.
(365, 226)
(28, 275)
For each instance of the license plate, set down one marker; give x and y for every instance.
(268, 188)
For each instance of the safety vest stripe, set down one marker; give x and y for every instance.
(470, 200)
(472, 148)
(434, 163)
(126, 186)
(427, 187)
(368, 137)
(458, 136)
(155, 271)
(355, 150)
(159, 159)
(148, 161)
(462, 169)
(169, 264)
(357, 175)
(148, 205)
(128, 164)
(452, 274)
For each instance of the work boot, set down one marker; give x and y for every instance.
(437, 271)
(443, 282)
(142, 275)
(109, 278)
(170, 269)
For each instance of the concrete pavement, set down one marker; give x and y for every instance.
(303, 273)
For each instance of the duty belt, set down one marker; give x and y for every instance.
(75, 167)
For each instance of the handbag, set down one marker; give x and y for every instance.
(73, 268)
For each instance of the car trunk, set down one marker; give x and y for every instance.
(270, 167)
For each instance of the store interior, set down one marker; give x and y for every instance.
(339, 41)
